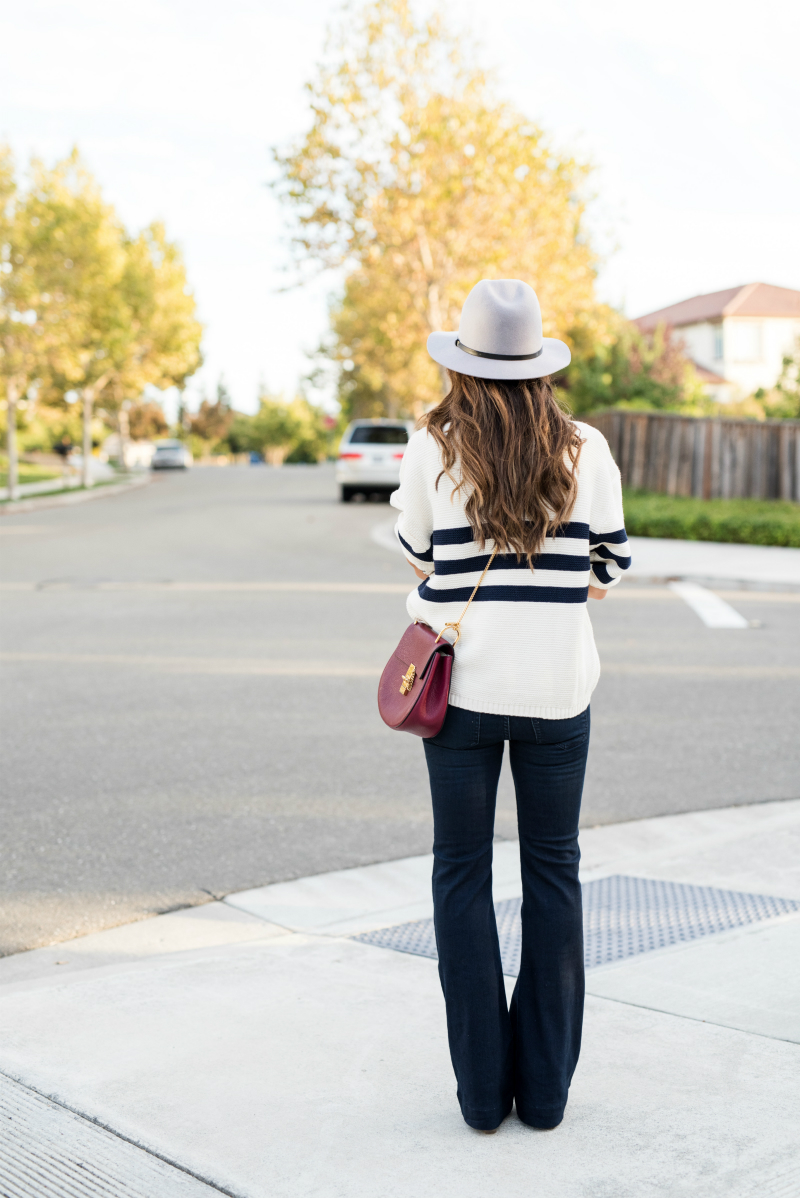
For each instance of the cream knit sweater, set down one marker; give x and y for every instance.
(526, 644)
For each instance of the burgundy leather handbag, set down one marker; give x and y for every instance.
(415, 685)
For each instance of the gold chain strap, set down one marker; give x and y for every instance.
(456, 624)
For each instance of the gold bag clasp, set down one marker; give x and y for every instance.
(408, 679)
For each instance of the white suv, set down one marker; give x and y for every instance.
(171, 455)
(370, 454)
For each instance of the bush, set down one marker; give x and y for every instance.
(614, 365)
(286, 432)
(743, 521)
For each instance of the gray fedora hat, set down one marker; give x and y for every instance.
(500, 335)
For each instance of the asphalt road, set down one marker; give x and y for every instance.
(171, 732)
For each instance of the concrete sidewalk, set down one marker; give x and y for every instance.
(715, 563)
(98, 471)
(252, 1047)
(56, 497)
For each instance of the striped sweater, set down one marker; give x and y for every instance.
(526, 644)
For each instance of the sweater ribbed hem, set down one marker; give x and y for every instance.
(474, 701)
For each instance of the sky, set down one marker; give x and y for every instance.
(688, 111)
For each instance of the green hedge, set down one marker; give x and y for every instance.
(745, 521)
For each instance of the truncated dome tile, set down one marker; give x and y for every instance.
(622, 917)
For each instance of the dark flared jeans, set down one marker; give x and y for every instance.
(527, 1053)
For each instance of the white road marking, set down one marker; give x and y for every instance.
(635, 591)
(748, 596)
(712, 610)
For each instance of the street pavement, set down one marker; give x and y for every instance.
(189, 700)
(267, 1046)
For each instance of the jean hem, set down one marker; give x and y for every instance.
(484, 1122)
(544, 1120)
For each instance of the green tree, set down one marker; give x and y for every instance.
(83, 306)
(163, 345)
(240, 437)
(130, 316)
(80, 256)
(316, 433)
(615, 365)
(418, 181)
(34, 311)
(294, 431)
(783, 401)
(12, 357)
(275, 429)
(163, 348)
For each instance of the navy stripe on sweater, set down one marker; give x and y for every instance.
(425, 556)
(509, 594)
(611, 538)
(510, 561)
(622, 562)
(463, 536)
(601, 573)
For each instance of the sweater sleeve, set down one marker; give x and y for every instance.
(415, 524)
(609, 552)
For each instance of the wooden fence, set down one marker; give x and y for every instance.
(725, 459)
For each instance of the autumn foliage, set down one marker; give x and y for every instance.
(418, 181)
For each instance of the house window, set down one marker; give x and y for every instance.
(744, 340)
(718, 343)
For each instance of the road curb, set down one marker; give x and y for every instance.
(70, 497)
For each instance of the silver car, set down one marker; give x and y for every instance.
(171, 455)
(370, 454)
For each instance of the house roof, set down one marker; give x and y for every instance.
(705, 375)
(752, 299)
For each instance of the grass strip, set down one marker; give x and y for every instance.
(737, 521)
(105, 482)
(28, 474)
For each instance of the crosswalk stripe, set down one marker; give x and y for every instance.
(712, 610)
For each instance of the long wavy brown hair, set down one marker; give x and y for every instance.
(512, 449)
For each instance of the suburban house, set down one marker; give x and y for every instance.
(736, 338)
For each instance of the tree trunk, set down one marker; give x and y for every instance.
(124, 431)
(435, 321)
(88, 404)
(275, 454)
(434, 306)
(12, 393)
